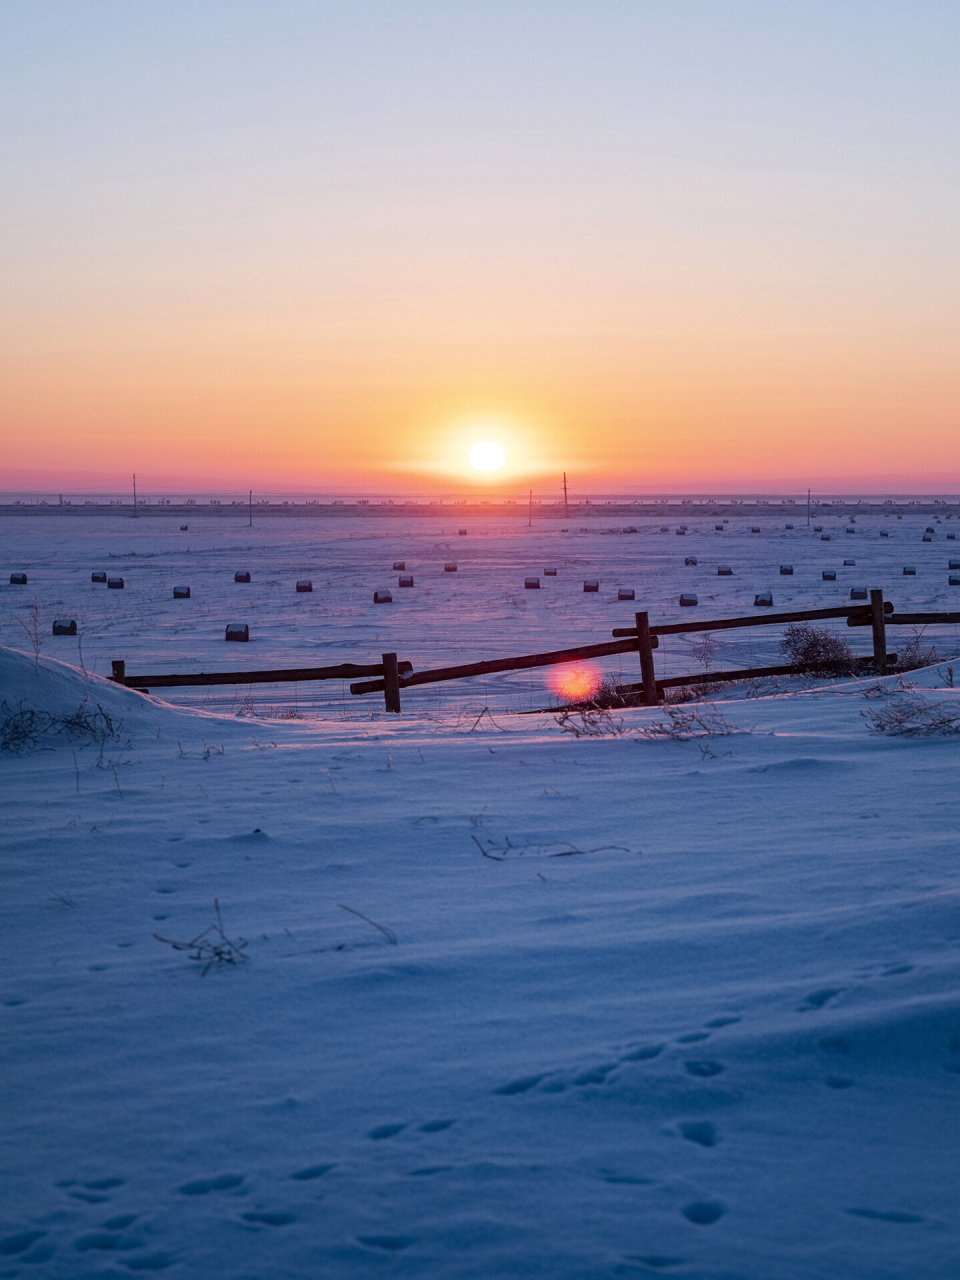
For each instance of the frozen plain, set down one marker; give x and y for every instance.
(696, 1012)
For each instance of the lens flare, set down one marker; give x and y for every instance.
(575, 683)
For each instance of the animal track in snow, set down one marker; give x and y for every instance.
(310, 1172)
(820, 998)
(392, 1244)
(382, 1131)
(704, 1213)
(261, 1217)
(522, 1085)
(203, 1186)
(702, 1132)
(887, 1215)
(704, 1068)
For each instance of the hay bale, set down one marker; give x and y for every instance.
(115, 584)
(829, 575)
(461, 533)
(786, 571)
(304, 585)
(849, 530)
(183, 528)
(858, 593)
(399, 566)
(181, 593)
(450, 567)
(549, 573)
(848, 564)
(929, 529)
(927, 537)
(954, 580)
(626, 593)
(825, 537)
(688, 560)
(953, 564)
(405, 580)
(382, 597)
(65, 626)
(98, 577)
(763, 599)
(755, 528)
(909, 571)
(238, 631)
(884, 533)
(951, 537)
(788, 526)
(18, 579)
(242, 575)
(688, 599)
(718, 528)
(591, 584)
(531, 584)
(724, 571)
(818, 528)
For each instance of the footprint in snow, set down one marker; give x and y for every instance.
(704, 1068)
(704, 1213)
(702, 1132)
(381, 1131)
(820, 999)
(203, 1186)
(887, 1215)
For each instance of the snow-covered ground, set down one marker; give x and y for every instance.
(613, 1005)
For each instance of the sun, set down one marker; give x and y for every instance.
(486, 455)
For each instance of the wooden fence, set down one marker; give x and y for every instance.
(391, 676)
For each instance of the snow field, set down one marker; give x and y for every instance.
(655, 1007)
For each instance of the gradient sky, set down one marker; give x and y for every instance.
(660, 244)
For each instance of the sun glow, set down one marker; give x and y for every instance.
(486, 455)
(575, 683)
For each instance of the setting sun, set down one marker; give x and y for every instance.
(486, 455)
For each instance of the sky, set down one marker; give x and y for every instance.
(657, 244)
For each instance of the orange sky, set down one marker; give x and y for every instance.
(666, 265)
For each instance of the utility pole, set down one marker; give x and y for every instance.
(565, 513)
(251, 509)
(134, 495)
(808, 508)
(530, 511)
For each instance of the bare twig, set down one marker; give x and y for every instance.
(390, 936)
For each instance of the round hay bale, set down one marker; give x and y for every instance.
(531, 584)
(382, 597)
(98, 577)
(405, 580)
(591, 585)
(688, 599)
(18, 579)
(688, 560)
(763, 599)
(399, 566)
(858, 593)
(549, 573)
(626, 593)
(786, 571)
(829, 575)
(450, 567)
(115, 584)
(909, 571)
(242, 575)
(237, 631)
(65, 627)
(724, 571)
(304, 585)
(181, 593)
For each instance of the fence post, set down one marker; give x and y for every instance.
(119, 671)
(391, 682)
(878, 623)
(645, 649)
